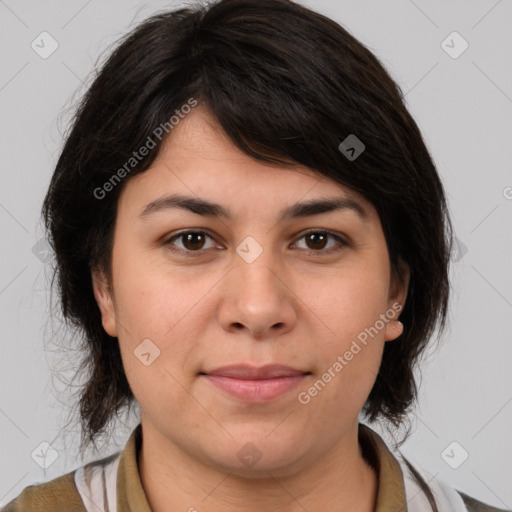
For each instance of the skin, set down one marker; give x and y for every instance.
(288, 306)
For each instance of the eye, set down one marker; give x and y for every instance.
(318, 239)
(192, 242)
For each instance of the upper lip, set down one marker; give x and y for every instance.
(247, 372)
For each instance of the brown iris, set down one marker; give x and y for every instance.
(317, 238)
(194, 240)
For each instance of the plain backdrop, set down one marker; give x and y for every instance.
(461, 99)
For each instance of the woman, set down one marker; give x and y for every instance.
(254, 241)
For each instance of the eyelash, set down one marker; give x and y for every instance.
(192, 254)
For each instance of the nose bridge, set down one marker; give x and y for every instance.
(256, 295)
(256, 267)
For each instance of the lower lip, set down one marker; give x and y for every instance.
(256, 391)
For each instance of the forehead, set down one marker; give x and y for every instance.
(198, 137)
(199, 160)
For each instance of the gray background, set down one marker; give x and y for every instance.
(462, 105)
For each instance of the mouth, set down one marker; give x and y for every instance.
(255, 385)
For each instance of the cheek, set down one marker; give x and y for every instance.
(149, 298)
(344, 380)
(153, 304)
(157, 337)
(349, 357)
(349, 302)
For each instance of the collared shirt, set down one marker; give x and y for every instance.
(113, 484)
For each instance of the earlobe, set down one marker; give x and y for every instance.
(394, 329)
(103, 296)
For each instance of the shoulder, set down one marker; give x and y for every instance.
(437, 491)
(57, 495)
(477, 506)
(95, 481)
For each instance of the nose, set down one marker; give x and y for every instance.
(258, 297)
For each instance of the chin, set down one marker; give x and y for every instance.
(259, 457)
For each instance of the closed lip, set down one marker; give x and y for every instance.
(247, 372)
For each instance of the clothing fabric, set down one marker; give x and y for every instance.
(113, 484)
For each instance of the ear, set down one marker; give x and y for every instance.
(103, 296)
(397, 297)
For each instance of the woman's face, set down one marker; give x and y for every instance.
(248, 289)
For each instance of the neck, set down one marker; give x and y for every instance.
(340, 479)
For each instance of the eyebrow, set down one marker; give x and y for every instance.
(297, 210)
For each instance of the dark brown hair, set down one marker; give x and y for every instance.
(287, 85)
